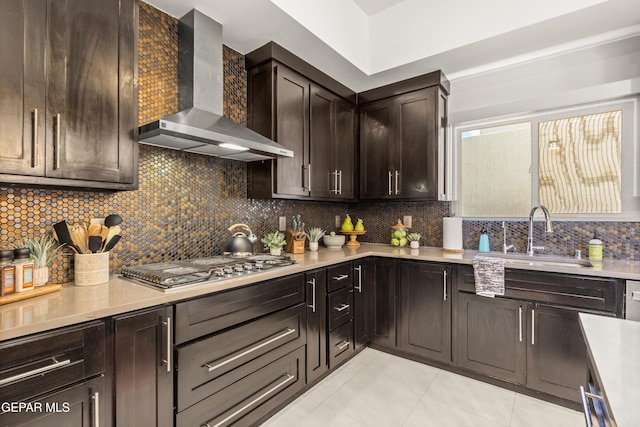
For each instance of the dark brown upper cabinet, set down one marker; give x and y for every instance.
(401, 138)
(69, 93)
(294, 104)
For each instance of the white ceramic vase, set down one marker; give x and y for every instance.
(275, 251)
(313, 246)
(414, 244)
(40, 276)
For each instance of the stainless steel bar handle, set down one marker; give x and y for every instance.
(56, 149)
(359, 285)
(342, 307)
(345, 344)
(340, 182)
(585, 407)
(390, 178)
(34, 142)
(287, 379)
(520, 321)
(309, 176)
(397, 179)
(444, 285)
(533, 326)
(96, 409)
(39, 371)
(340, 277)
(312, 282)
(167, 359)
(275, 338)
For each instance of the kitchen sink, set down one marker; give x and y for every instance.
(542, 260)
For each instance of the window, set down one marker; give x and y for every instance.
(580, 162)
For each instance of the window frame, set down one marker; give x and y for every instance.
(630, 196)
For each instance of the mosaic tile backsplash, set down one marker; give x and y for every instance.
(186, 202)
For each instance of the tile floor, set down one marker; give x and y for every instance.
(378, 389)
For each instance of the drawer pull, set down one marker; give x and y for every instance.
(287, 379)
(340, 277)
(312, 282)
(344, 345)
(359, 286)
(96, 409)
(167, 359)
(342, 307)
(271, 340)
(44, 369)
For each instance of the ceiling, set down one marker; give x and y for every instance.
(369, 43)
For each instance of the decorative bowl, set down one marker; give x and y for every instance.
(333, 240)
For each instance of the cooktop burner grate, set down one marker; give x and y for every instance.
(173, 274)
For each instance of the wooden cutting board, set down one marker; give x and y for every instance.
(37, 291)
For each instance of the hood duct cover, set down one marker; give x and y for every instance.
(200, 127)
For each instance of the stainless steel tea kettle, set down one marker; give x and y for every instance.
(240, 244)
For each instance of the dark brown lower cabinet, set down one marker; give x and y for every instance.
(380, 278)
(316, 283)
(491, 336)
(144, 368)
(75, 406)
(424, 312)
(557, 360)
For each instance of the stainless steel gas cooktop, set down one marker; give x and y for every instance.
(173, 274)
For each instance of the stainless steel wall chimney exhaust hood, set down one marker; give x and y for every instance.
(200, 127)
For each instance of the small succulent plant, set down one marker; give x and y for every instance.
(274, 240)
(315, 234)
(414, 237)
(43, 250)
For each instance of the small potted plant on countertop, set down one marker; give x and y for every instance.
(414, 239)
(43, 251)
(314, 235)
(274, 242)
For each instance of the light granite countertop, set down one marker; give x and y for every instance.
(77, 304)
(614, 349)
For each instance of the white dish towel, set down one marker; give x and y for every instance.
(489, 276)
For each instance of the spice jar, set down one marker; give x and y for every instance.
(24, 269)
(399, 234)
(7, 273)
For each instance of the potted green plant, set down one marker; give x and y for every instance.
(43, 251)
(414, 239)
(274, 242)
(314, 235)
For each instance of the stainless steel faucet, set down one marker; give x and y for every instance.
(548, 229)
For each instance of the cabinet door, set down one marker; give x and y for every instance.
(292, 131)
(424, 316)
(380, 276)
(344, 149)
(316, 283)
(144, 368)
(557, 355)
(321, 127)
(417, 147)
(361, 305)
(22, 87)
(76, 406)
(491, 336)
(377, 147)
(91, 120)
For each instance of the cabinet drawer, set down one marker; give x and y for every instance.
(339, 276)
(206, 315)
(38, 364)
(206, 367)
(340, 344)
(340, 307)
(267, 383)
(591, 293)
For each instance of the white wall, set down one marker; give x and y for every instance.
(605, 71)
